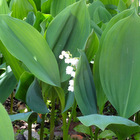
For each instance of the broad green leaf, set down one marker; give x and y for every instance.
(101, 98)
(24, 82)
(34, 98)
(84, 88)
(109, 2)
(58, 6)
(12, 61)
(21, 8)
(82, 129)
(7, 79)
(119, 65)
(24, 116)
(29, 46)
(4, 9)
(108, 134)
(69, 31)
(122, 127)
(5, 125)
(92, 45)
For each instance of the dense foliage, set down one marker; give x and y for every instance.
(76, 52)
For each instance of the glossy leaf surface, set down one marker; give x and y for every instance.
(122, 127)
(119, 65)
(69, 31)
(84, 88)
(26, 41)
(5, 125)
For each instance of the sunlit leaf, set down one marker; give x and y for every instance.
(29, 46)
(69, 31)
(4, 9)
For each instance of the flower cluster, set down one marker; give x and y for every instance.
(70, 70)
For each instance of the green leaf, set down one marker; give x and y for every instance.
(92, 45)
(5, 125)
(69, 31)
(24, 116)
(121, 6)
(108, 134)
(7, 78)
(35, 100)
(45, 6)
(4, 7)
(119, 65)
(122, 127)
(58, 6)
(69, 101)
(12, 61)
(29, 46)
(30, 18)
(84, 89)
(101, 15)
(82, 129)
(24, 82)
(101, 98)
(21, 8)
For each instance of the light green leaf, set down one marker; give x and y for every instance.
(45, 6)
(69, 31)
(119, 65)
(58, 6)
(121, 6)
(24, 116)
(7, 78)
(122, 127)
(84, 88)
(21, 8)
(29, 46)
(4, 9)
(5, 125)
(34, 98)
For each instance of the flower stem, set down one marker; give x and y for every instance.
(65, 133)
(96, 133)
(29, 130)
(91, 133)
(42, 127)
(11, 108)
(52, 120)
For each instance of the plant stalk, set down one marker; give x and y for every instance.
(65, 133)
(29, 130)
(96, 133)
(52, 120)
(42, 127)
(11, 108)
(91, 133)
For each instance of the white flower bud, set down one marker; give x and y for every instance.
(73, 74)
(69, 70)
(61, 56)
(71, 88)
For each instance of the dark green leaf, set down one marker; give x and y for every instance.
(34, 98)
(24, 82)
(7, 79)
(84, 88)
